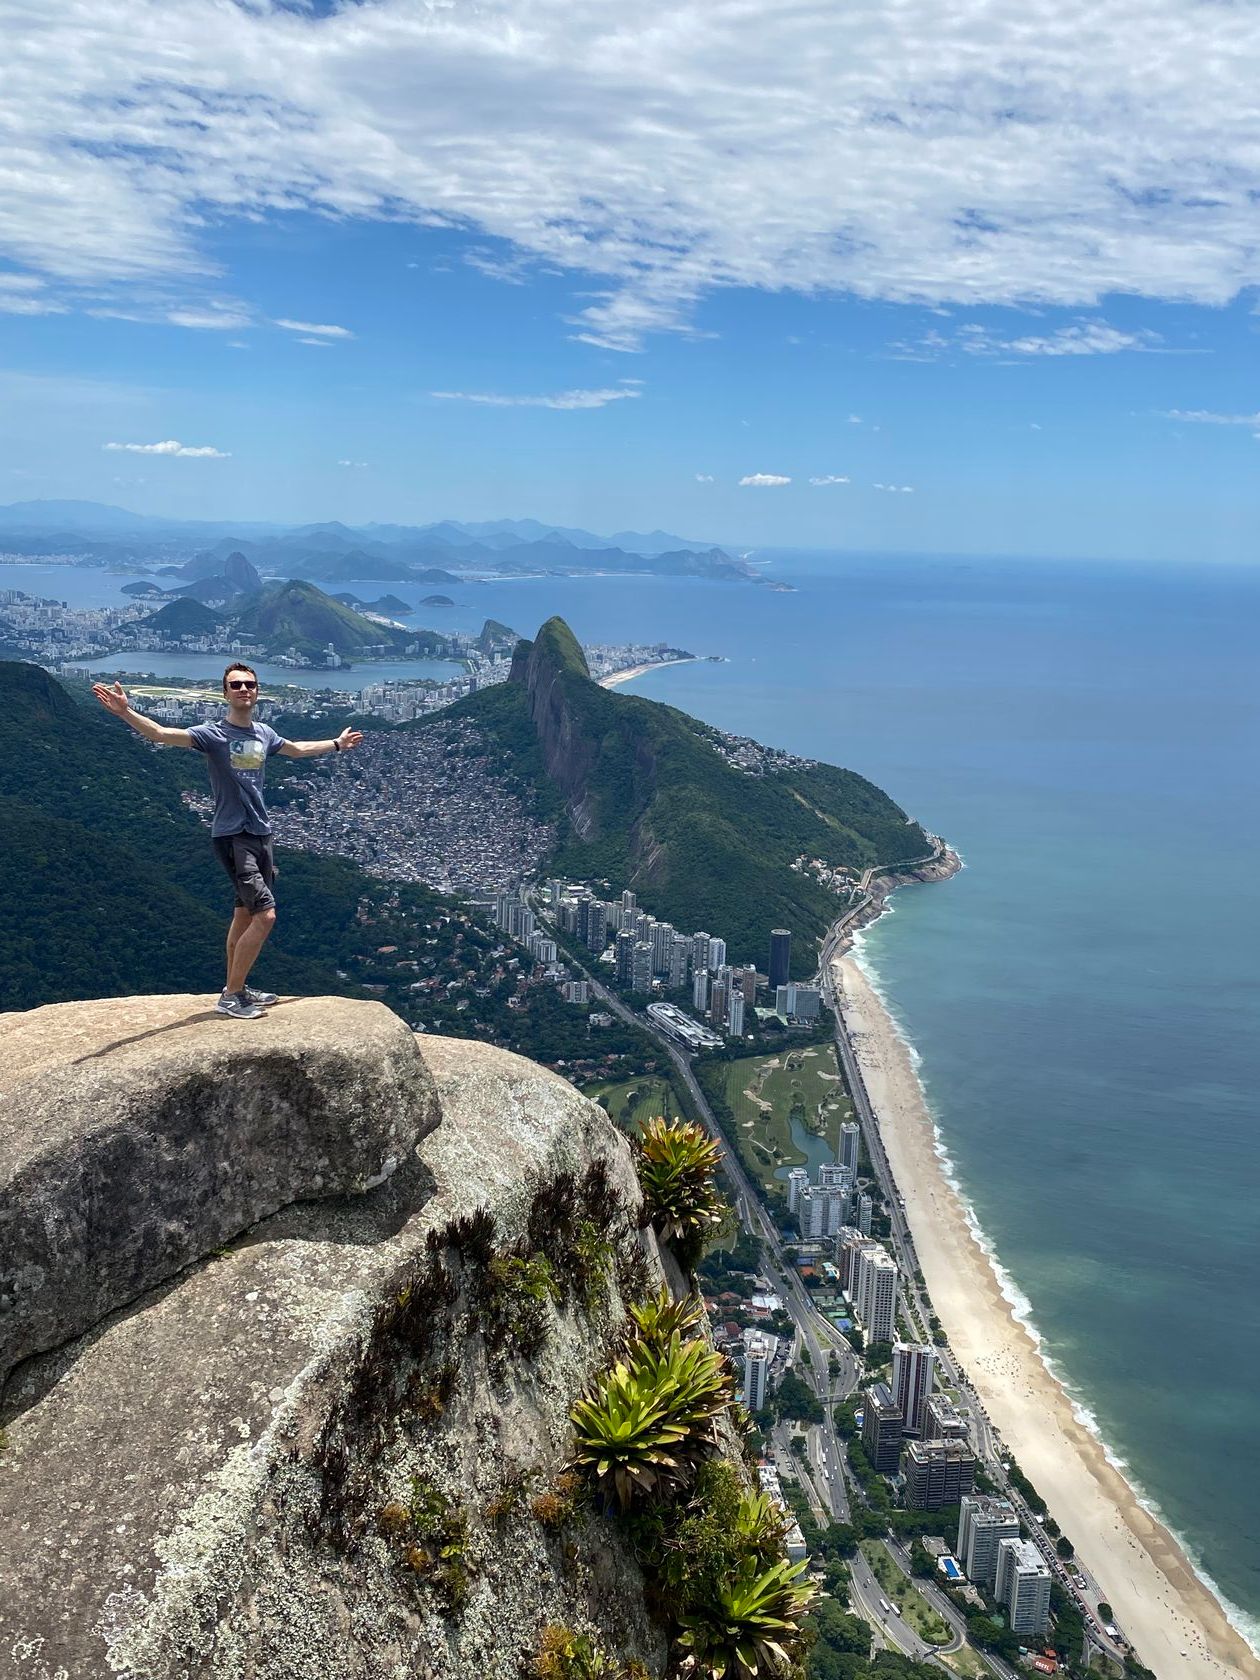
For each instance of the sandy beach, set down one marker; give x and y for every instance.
(1177, 1626)
(633, 671)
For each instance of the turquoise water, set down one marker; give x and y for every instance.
(1085, 996)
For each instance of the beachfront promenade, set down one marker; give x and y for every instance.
(1126, 1556)
(913, 1300)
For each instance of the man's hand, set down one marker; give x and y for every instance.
(113, 699)
(349, 738)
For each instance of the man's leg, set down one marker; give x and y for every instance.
(241, 919)
(248, 944)
(253, 871)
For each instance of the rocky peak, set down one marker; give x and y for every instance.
(561, 694)
(294, 1412)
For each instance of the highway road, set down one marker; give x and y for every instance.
(868, 1596)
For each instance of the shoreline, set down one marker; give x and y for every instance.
(616, 678)
(1163, 1606)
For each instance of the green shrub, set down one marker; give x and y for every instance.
(677, 1163)
(643, 1426)
(660, 1317)
(750, 1628)
(565, 1655)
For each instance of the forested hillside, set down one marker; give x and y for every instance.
(645, 799)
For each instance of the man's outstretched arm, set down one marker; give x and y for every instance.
(348, 739)
(114, 700)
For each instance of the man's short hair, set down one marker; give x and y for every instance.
(238, 665)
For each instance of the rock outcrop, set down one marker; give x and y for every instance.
(553, 671)
(334, 1450)
(139, 1134)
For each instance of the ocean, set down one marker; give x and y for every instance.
(1084, 998)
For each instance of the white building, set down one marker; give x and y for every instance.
(913, 1378)
(820, 1210)
(850, 1135)
(797, 1003)
(690, 1034)
(794, 1540)
(735, 1015)
(865, 1211)
(1023, 1585)
(758, 1352)
(875, 1295)
(798, 1180)
(700, 990)
(983, 1523)
(717, 954)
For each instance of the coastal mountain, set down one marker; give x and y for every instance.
(387, 604)
(230, 568)
(644, 796)
(184, 617)
(297, 614)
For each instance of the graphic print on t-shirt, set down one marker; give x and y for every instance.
(247, 755)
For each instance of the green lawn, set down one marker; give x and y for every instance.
(967, 1661)
(897, 1589)
(763, 1093)
(636, 1100)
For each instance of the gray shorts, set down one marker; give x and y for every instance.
(250, 861)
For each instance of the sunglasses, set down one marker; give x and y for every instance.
(242, 685)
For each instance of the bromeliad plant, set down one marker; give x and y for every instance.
(677, 1164)
(750, 1627)
(643, 1427)
(661, 1316)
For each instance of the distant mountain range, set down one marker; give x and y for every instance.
(332, 552)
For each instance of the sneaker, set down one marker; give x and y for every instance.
(238, 1007)
(260, 1000)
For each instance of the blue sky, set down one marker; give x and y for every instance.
(980, 280)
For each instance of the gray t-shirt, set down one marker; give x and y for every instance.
(237, 757)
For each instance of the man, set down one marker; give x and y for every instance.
(237, 749)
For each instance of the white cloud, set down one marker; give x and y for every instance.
(352, 463)
(855, 419)
(23, 294)
(312, 329)
(830, 478)
(704, 478)
(895, 489)
(1077, 338)
(227, 319)
(764, 481)
(562, 399)
(171, 447)
(1206, 417)
(957, 152)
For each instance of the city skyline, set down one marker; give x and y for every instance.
(877, 282)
